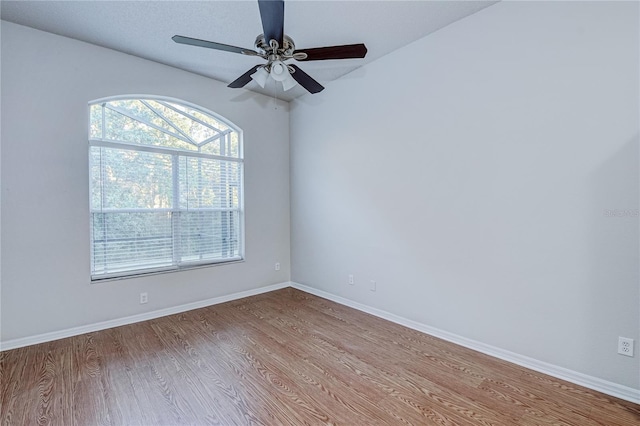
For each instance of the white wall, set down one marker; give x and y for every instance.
(47, 82)
(469, 173)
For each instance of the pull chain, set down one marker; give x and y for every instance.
(275, 98)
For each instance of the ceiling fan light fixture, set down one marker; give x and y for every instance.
(260, 76)
(279, 71)
(289, 83)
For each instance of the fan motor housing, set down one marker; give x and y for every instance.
(287, 48)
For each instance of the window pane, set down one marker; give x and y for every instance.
(119, 127)
(209, 235)
(95, 171)
(198, 131)
(212, 147)
(95, 122)
(130, 241)
(234, 145)
(135, 179)
(227, 145)
(162, 123)
(206, 183)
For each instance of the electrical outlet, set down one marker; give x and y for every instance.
(625, 346)
(350, 280)
(277, 267)
(144, 298)
(373, 285)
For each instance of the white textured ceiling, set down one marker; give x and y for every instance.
(145, 28)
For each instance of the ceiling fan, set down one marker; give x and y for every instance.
(276, 48)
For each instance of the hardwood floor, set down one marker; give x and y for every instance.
(284, 357)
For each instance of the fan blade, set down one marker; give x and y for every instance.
(212, 45)
(243, 79)
(272, 15)
(306, 81)
(346, 51)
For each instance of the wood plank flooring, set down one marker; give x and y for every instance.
(284, 357)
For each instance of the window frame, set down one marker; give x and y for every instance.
(175, 154)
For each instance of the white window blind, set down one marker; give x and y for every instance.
(166, 187)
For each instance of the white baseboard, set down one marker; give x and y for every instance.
(600, 385)
(55, 335)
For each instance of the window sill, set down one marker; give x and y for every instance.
(98, 280)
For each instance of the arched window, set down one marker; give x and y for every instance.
(166, 187)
